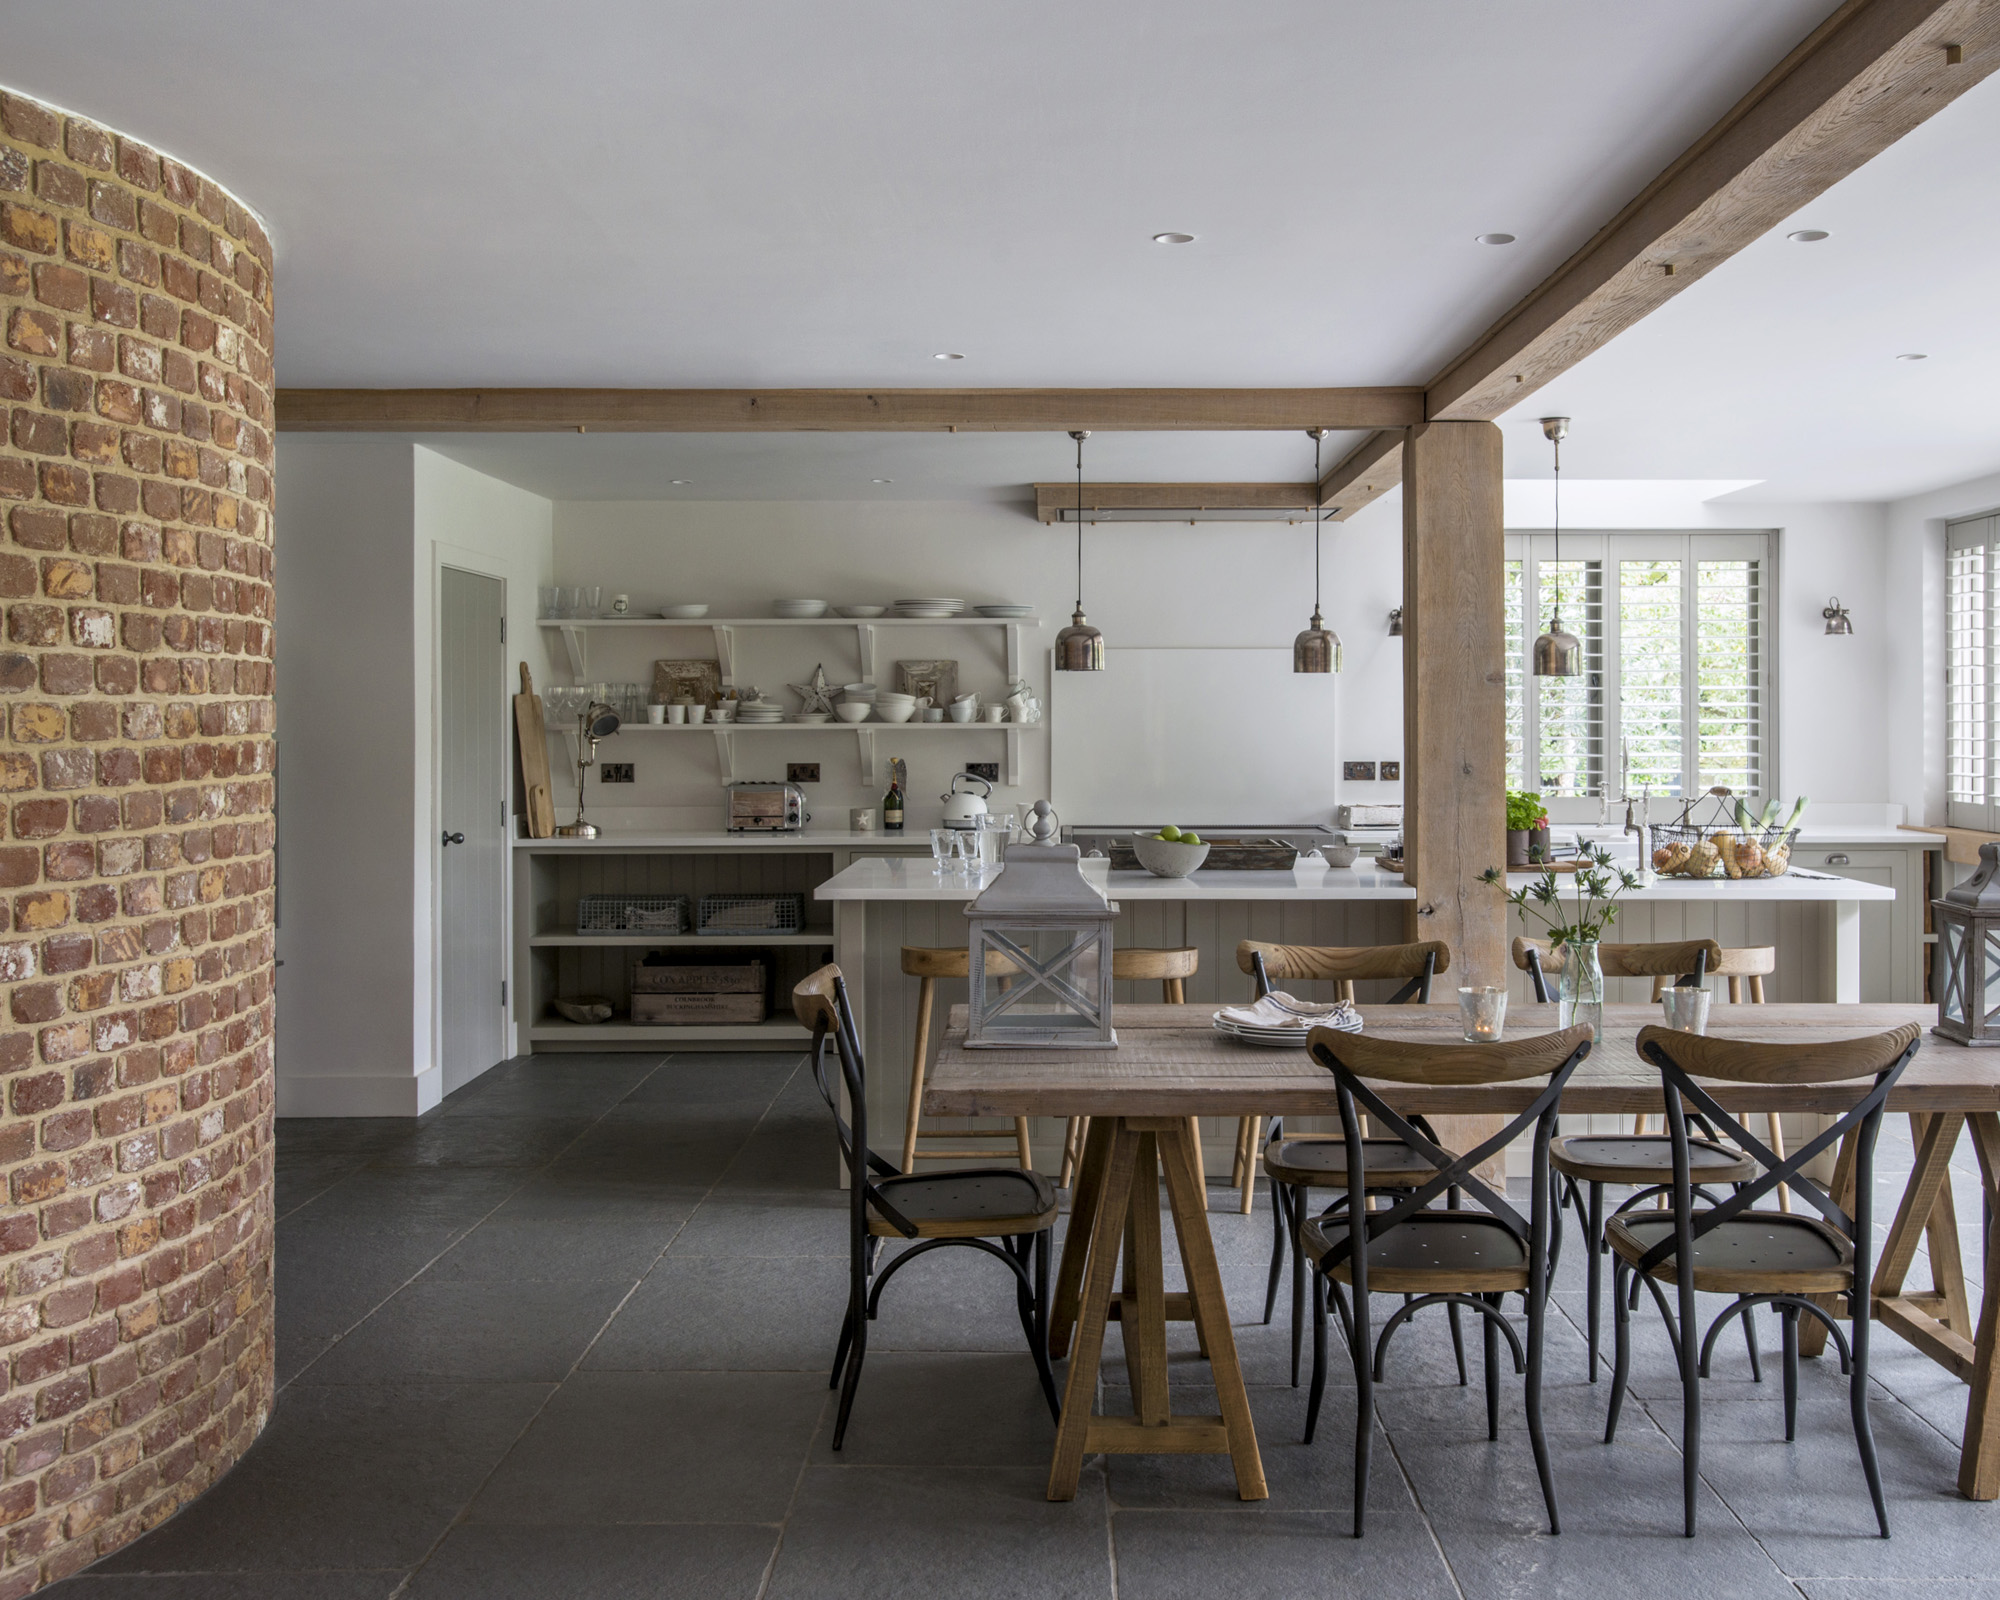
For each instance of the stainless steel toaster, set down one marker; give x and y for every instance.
(767, 808)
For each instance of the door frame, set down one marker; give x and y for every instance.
(480, 565)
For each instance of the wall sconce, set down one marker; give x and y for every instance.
(1837, 620)
(1396, 623)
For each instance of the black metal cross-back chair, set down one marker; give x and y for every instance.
(970, 1207)
(1462, 1257)
(1297, 1165)
(1790, 1261)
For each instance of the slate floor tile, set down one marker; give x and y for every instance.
(479, 1561)
(481, 1331)
(100, 1585)
(1279, 1555)
(689, 1315)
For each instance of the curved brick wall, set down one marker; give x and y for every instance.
(136, 867)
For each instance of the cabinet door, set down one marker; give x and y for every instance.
(1889, 929)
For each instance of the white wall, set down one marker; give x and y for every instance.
(365, 519)
(1145, 584)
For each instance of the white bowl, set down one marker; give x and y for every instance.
(895, 713)
(853, 710)
(895, 699)
(798, 608)
(1168, 858)
(861, 611)
(1339, 855)
(689, 610)
(960, 710)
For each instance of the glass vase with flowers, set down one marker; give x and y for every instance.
(1575, 926)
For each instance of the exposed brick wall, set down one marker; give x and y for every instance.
(135, 858)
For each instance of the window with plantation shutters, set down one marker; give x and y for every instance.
(1676, 688)
(1972, 558)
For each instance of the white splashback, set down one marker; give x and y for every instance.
(1195, 737)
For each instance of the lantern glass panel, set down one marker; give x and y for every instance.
(1038, 981)
(1989, 979)
(1951, 967)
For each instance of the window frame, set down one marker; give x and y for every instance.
(1979, 531)
(1690, 547)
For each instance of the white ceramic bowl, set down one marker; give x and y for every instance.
(688, 610)
(861, 611)
(901, 713)
(1339, 855)
(853, 710)
(798, 608)
(895, 699)
(1168, 858)
(961, 710)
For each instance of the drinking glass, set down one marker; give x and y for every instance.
(548, 599)
(944, 847)
(1686, 1009)
(1484, 1012)
(593, 599)
(572, 602)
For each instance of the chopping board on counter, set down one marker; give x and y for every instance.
(534, 742)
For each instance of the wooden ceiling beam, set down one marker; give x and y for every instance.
(1866, 76)
(1055, 500)
(1367, 472)
(841, 410)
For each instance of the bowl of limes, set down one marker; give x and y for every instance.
(1170, 853)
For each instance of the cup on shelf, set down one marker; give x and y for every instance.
(697, 713)
(593, 599)
(861, 819)
(994, 713)
(723, 714)
(933, 713)
(548, 601)
(656, 714)
(572, 601)
(677, 714)
(620, 604)
(960, 711)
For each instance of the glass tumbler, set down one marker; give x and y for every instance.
(1686, 1009)
(1484, 1012)
(593, 600)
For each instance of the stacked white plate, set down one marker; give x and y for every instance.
(751, 713)
(798, 608)
(684, 611)
(1288, 1034)
(1005, 608)
(929, 608)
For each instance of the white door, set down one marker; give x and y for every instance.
(472, 853)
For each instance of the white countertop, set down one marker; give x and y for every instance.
(913, 879)
(1789, 887)
(811, 839)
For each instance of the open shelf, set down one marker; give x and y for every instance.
(775, 1031)
(828, 727)
(643, 941)
(575, 631)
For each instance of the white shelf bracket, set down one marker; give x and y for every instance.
(1013, 768)
(725, 753)
(864, 645)
(578, 646)
(725, 658)
(1013, 631)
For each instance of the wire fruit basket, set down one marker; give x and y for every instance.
(736, 914)
(632, 913)
(1717, 836)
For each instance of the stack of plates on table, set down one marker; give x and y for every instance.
(929, 608)
(1269, 1022)
(683, 611)
(753, 712)
(1005, 608)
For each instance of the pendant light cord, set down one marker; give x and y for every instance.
(1558, 446)
(1079, 521)
(1319, 516)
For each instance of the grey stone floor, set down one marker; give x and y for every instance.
(567, 1337)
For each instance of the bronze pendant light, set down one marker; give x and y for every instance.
(1079, 647)
(1317, 649)
(1558, 653)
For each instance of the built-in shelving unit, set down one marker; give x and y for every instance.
(866, 735)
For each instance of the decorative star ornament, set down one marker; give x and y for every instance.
(815, 695)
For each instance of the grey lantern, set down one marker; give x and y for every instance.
(1040, 945)
(1968, 929)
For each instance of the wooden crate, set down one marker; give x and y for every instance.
(670, 1009)
(736, 977)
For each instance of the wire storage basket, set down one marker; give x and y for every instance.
(1718, 836)
(632, 913)
(727, 914)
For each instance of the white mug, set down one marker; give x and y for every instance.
(994, 713)
(656, 715)
(677, 713)
(620, 604)
(697, 713)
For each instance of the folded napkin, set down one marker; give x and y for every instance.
(1304, 1014)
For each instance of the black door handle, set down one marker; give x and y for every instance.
(454, 838)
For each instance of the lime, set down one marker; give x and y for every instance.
(1190, 838)
(1169, 833)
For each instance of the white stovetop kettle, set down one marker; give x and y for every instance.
(962, 808)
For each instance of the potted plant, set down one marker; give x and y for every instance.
(1527, 829)
(1574, 930)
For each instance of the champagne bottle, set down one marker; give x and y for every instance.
(892, 809)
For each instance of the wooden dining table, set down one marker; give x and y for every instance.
(1171, 1065)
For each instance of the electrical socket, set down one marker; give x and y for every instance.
(1392, 771)
(1358, 771)
(989, 770)
(802, 772)
(615, 772)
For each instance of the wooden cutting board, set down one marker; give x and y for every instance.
(534, 742)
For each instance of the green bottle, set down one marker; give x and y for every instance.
(892, 809)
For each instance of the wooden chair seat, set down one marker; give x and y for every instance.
(1761, 1252)
(974, 1203)
(1433, 1252)
(1322, 1162)
(1644, 1159)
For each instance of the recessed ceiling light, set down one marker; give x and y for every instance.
(1913, 355)
(1173, 238)
(948, 355)
(1495, 238)
(682, 482)
(884, 480)
(1807, 236)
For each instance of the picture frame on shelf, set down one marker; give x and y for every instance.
(936, 679)
(699, 682)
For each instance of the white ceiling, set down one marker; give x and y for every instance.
(625, 192)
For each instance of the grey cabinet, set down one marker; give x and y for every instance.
(1892, 942)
